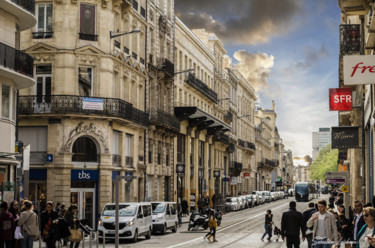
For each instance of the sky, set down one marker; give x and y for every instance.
(287, 49)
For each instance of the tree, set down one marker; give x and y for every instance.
(325, 162)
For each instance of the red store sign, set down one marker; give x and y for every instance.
(340, 99)
(246, 174)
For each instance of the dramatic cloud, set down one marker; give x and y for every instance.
(240, 21)
(255, 67)
(311, 57)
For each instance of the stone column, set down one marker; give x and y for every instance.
(105, 180)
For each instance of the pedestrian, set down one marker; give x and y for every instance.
(212, 223)
(30, 225)
(268, 225)
(306, 216)
(184, 205)
(71, 218)
(62, 210)
(341, 209)
(324, 227)
(291, 224)
(344, 228)
(6, 225)
(14, 210)
(49, 219)
(366, 235)
(358, 220)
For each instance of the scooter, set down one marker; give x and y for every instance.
(196, 220)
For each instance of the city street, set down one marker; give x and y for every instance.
(238, 229)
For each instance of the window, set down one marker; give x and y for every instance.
(85, 81)
(88, 22)
(44, 26)
(84, 150)
(116, 142)
(5, 101)
(128, 145)
(43, 83)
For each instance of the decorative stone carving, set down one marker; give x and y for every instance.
(104, 3)
(44, 58)
(162, 24)
(87, 59)
(73, 1)
(82, 129)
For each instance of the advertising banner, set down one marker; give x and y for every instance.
(92, 103)
(340, 99)
(359, 69)
(344, 137)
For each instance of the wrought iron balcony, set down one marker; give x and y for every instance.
(16, 60)
(250, 145)
(228, 116)
(350, 39)
(201, 87)
(42, 35)
(241, 143)
(166, 66)
(92, 37)
(164, 119)
(28, 5)
(116, 160)
(235, 168)
(223, 138)
(270, 162)
(129, 161)
(68, 104)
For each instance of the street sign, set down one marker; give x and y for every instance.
(335, 180)
(345, 189)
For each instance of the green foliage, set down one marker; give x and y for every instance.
(325, 162)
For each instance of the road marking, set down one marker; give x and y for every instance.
(231, 225)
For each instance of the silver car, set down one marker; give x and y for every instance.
(232, 203)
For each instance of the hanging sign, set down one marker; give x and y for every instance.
(340, 99)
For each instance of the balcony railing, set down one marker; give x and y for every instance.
(159, 117)
(241, 143)
(202, 87)
(116, 160)
(269, 162)
(28, 5)
(117, 44)
(134, 55)
(167, 66)
(250, 145)
(68, 104)
(129, 161)
(42, 35)
(16, 60)
(235, 168)
(92, 37)
(126, 50)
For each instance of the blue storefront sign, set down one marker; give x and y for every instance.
(38, 174)
(85, 175)
(49, 157)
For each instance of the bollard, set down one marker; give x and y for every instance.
(97, 239)
(103, 239)
(90, 237)
(40, 241)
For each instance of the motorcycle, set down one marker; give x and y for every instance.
(196, 220)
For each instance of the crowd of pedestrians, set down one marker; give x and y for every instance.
(20, 224)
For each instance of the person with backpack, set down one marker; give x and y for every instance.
(306, 215)
(30, 225)
(6, 226)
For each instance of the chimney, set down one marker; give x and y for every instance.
(273, 105)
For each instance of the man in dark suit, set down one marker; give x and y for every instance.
(358, 221)
(306, 216)
(291, 224)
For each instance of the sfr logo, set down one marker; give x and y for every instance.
(83, 175)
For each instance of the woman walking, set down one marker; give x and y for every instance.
(268, 226)
(6, 226)
(72, 220)
(49, 218)
(29, 222)
(212, 223)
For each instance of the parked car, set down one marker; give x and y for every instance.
(244, 201)
(135, 219)
(255, 198)
(260, 196)
(232, 203)
(250, 201)
(164, 217)
(266, 195)
(241, 202)
(273, 196)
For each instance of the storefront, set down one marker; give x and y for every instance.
(38, 187)
(84, 193)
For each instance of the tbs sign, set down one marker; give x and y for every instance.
(340, 99)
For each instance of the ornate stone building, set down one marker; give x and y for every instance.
(87, 110)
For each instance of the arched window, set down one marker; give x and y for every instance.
(84, 150)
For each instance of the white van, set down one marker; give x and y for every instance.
(135, 220)
(164, 216)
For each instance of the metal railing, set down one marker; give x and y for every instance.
(116, 160)
(42, 35)
(166, 65)
(250, 145)
(129, 161)
(159, 116)
(202, 87)
(69, 104)
(16, 60)
(241, 143)
(92, 37)
(28, 5)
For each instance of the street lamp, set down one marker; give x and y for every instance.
(117, 34)
(179, 72)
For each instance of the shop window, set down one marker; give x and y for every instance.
(5, 101)
(84, 150)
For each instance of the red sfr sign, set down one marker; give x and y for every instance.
(340, 99)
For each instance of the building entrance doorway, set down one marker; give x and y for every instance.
(85, 199)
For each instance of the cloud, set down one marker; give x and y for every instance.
(311, 57)
(255, 67)
(240, 22)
